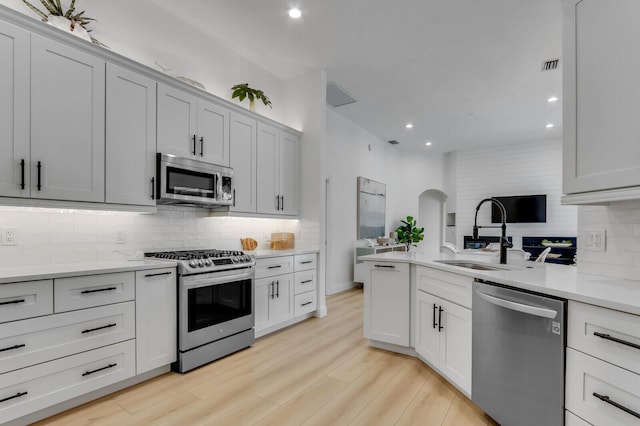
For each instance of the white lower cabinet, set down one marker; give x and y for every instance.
(156, 319)
(42, 385)
(387, 303)
(273, 300)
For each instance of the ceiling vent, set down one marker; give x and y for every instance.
(394, 142)
(550, 64)
(337, 96)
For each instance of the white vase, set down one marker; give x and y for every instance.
(64, 24)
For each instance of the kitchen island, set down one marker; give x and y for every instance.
(420, 305)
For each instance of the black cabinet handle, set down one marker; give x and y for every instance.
(12, 347)
(306, 281)
(22, 173)
(13, 302)
(273, 295)
(194, 144)
(98, 290)
(86, 373)
(614, 339)
(608, 400)
(385, 266)
(440, 327)
(274, 266)
(234, 197)
(307, 303)
(278, 289)
(18, 395)
(98, 328)
(435, 308)
(39, 167)
(158, 274)
(282, 197)
(201, 146)
(306, 261)
(153, 188)
(277, 202)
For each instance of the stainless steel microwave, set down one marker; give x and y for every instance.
(191, 182)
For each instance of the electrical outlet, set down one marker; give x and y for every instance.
(595, 240)
(9, 236)
(121, 237)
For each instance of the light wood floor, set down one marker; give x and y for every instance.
(318, 372)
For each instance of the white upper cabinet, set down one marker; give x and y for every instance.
(191, 127)
(67, 122)
(14, 111)
(243, 149)
(601, 96)
(277, 171)
(130, 137)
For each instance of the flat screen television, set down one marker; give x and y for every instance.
(521, 209)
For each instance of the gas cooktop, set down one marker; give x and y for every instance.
(199, 261)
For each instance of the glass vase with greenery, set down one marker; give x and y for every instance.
(409, 233)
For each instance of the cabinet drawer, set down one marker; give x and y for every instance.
(304, 281)
(305, 303)
(36, 340)
(571, 419)
(585, 320)
(452, 287)
(93, 290)
(25, 300)
(304, 262)
(587, 375)
(31, 389)
(274, 266)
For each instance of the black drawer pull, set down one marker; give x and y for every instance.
(13, 302)
(98, 290)
(86, 373)
(22, 174)
(608, 400)
(89, 330)
(158, 274)
(274, 267)
(12, 347)
(306, 281)
(18, 395)
(306, 262)
(613, 339)
(306, 303)
(384, 266)
(39, 167)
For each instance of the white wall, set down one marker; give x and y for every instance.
(406, 176)
(520, 169)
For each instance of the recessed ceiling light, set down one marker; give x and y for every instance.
(428, 144)
(409, 126)
(548, 126)
(552, 99)
(295, 13)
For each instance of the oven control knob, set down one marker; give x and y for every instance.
(208, 262)
(193, 263)
(200, 262)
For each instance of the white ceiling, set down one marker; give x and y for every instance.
(466, 73)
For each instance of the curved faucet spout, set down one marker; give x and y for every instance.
(504, 243)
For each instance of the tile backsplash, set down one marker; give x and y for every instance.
(621, 258)
(68, 236)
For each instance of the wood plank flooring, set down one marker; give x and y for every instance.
(318, 372)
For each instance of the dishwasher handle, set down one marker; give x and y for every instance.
(520, 307)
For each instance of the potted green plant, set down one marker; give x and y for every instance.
(69, 20)
(242, 91)
(409, 233)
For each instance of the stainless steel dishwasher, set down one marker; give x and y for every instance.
(518, 362)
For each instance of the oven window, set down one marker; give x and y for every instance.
(215, 304)
(188, 182)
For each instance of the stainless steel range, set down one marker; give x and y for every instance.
(215, 304)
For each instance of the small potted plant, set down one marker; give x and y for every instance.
(69, 20)
(242, 91)
(409, 233)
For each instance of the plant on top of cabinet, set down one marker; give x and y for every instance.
(243, 90)
(69, 21)
(409, 233)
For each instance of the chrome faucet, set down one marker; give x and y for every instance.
(504, 242)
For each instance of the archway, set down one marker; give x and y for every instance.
(431, 215)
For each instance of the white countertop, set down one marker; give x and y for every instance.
(264, 253)
(43, 272)
(547, 278)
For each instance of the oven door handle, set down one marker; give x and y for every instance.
(210, 279)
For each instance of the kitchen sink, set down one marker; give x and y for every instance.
(472, 265)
